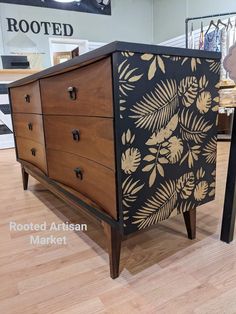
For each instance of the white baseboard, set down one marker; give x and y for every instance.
(7, 141)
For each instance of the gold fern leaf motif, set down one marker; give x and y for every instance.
(185, 185)
(127, 54)
(193, 127)
(204, 102)
(127, 77)
(210, 151)
(214, 66)
(158, 207)
(175, 149)
(156, 62)
(157, 159)
(188, 90)
(201, 190)
(186, 206)
(130, 160)
(156, 108)
(130, 188)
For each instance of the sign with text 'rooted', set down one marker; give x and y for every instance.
(36, 27)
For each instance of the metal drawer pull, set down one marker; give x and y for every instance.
(72, 91)
(79, 173)
(30, 126)
(33, 152)
(27, 98)
(76, 135)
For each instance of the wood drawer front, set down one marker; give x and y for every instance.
(97, 182)
(26, 149)
(29, 126)
(26, 98)
(88, 137)
(93, 84)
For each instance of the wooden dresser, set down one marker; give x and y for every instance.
(126, 132)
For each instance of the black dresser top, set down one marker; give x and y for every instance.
(113, 47)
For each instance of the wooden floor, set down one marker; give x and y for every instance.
(161, 270)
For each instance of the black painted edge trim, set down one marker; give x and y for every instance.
(115, 46)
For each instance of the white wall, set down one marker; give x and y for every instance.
(131, 20)
(170, 15)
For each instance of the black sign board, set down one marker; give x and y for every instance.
(89, 6)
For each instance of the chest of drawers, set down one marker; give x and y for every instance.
(126, 133)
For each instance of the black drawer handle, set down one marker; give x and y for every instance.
(27, 98)
(79, 173)
(72, 91)
(76, 135)
(33, 152)
(30, 126)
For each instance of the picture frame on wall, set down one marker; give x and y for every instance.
(88, 6)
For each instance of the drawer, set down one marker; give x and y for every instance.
(29, 126)
(32, 152)
(91, 179)
(85, 91)
(26, 98)
(88, 137)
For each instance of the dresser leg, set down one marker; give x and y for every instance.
(113, 237)
(25, 178)
(190, 223)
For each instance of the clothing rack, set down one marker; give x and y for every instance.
(188, 19)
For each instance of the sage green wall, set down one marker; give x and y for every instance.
(170, 15)
(131, 20)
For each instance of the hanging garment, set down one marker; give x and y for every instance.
(191, 42)
(212, 41)
(224, 51)
(201, 40)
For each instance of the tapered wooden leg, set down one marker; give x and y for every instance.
(114, 245)
(25, 178)
(190, 223)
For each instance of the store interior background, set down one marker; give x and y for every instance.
(149, 21)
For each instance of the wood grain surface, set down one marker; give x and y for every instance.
(93, 84)
(95, 142)
(19, 104)
(22, 126)
(25, 147)
(97, 182)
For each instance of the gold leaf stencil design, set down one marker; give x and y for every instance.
(191, 155)
(193, 128)
(193, 62)
(185, 185)
(156, 108)
(210, 151)
(130, 160)
(130, 188)
(164, 133)
(127, 77)
(201, 190)
(204, 102)
(155, 63)
(214, 66)
(175, 149)
(188, 90)
(127, 137)
(158, 207)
